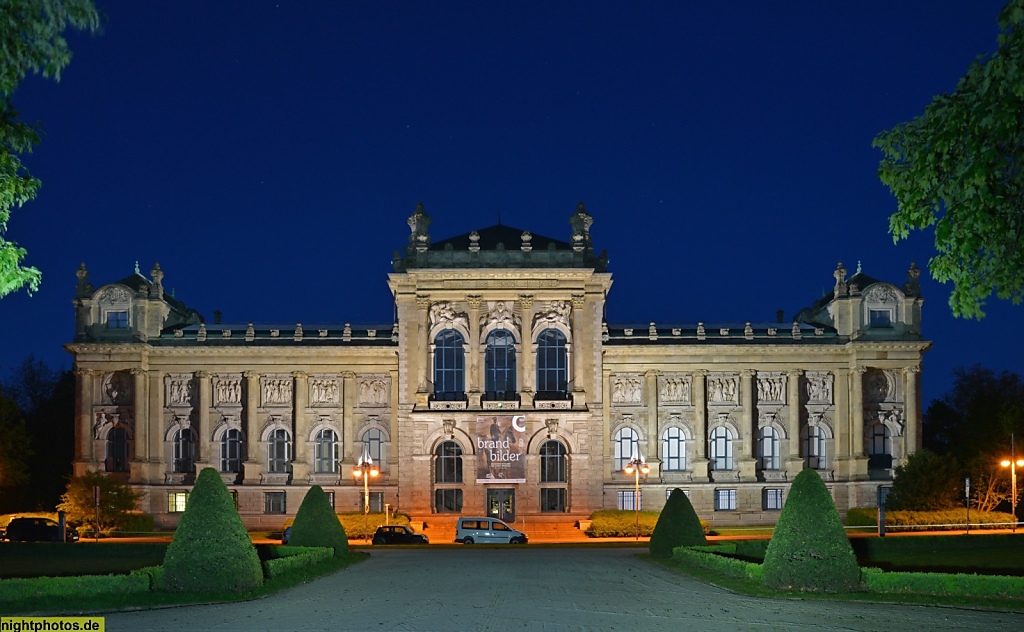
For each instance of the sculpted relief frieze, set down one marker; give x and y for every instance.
(179, 390)
(324, 391)
(771, 387)
(554, 313)
(819, 387)
(879, 386)
(881, 293)
(374, 391)
(115, 295)
(500, 316)
(627, 389)
(227, 390)
(443, 313)
(117, 388)
(674, 389)
(276, 390)
(723, 388)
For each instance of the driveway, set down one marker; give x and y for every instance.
(524, 588)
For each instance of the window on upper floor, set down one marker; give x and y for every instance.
(815, 447)
(231, 451)
(881, 318)
(326, 452)
(117, 319)
(279, 451)
(627, 444)
(373, 439)
(449, 366)
(879, 446)
(768, 449)
(552, 365)
(500, 366)
(673, 450)
(117, 450)
(183, 447)
(720, 449)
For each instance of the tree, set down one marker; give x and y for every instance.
(211, 550)
(32, 40)
(117, 500)
(316, 524)
(927, 482)
(678, 525)
(960, 167)
(15, 452)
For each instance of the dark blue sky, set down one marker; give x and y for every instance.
(267, 154)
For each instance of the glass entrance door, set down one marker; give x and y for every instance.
(501, 504)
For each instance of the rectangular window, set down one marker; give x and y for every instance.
(330, 498)
(117, 320)
(377, 502)
(273, 502)
(176, 501)
(552, 499)
(448, 500)
(881, 318)
(668, 492)
(725, 500)
(625, 500)
(771, 499)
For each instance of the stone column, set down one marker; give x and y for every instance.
(747, 463)
(300, 456)
(156, 455)
(699, 395)
(83, 428)
(857, 414)
(140, 424)
(475, 383)
(423, 331)
(578, 345)
(651, 387)
(205, 431)
(251, 429)
(794, 463)
(350, 452)
(526, 358)
(911, 425)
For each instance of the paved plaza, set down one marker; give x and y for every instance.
(527, 588)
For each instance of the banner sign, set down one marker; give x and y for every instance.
(501, 449)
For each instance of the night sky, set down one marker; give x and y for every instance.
(267, 154)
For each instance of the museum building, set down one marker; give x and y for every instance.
(498, 388)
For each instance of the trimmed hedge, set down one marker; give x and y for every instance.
(211, 550)
(316, 524)
(678, 525)
(297, 557)
(948, 520)
(809, 550)
(80, 585)
(944, 584)
(621, 523)
(707, 557)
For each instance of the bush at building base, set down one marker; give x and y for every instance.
(211, 550)
(678, 525)
(316, 524)
(809, 550)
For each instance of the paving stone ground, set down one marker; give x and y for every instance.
(550, 589)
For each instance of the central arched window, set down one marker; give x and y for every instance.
(553, 462)
(449, 366)
(552, 365)
(183, 445)
(500, 365)
(325, 452)
(673, 450)
(448, 463)
(768, 449)
(815, 448)
(117, 450)
(373, 439)
(279, 451)
(720, 449)
(627, 444)
(231, 451)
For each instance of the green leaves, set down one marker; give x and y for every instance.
(960, 167)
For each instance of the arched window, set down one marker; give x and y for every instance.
(500, 366)
(325, 452)
(627, 444)
(720, 449)
(117, 450)
(373, 439)
(768, 449)
(231, 451)
(673, 450)
(553, 465)
(449, 366)
(879, 447)
(815, 448)
(448, 463)
(183, 445)
(552, 365)
(279, 451)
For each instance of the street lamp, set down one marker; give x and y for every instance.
(1013, 463)
(365, 470)
(636, 467)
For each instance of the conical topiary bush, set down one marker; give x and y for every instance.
(316, 524)
(678, 525)
(211, 550)
(809, 550)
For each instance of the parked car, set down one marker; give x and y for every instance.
(38, 530)
(398, 534)
(286, 534)
(487, 531)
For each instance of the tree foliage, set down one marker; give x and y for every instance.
(31, 40)
(15, 452)
(977, 415)
(960, 168)
(678, 525)
(927, 482)
(117, 500)
(316, 524)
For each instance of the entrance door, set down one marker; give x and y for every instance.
(501, 504)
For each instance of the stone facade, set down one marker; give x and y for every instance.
(499, 388)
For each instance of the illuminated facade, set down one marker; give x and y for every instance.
(499, 388)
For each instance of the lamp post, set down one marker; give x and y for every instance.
(1013, 463)
(635, 468)
(365, 470)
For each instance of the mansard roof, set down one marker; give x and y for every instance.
(508, 237)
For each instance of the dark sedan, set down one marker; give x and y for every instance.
(38, 530)
(398, 534)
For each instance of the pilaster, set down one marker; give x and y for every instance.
(205, 458)
(526, 358)
(300, 457)
(699, 393)
(84, 457)
(651, 390)
(140, 426)
(910, 401)
(794, 463)
(251, 428)
(747, 463)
